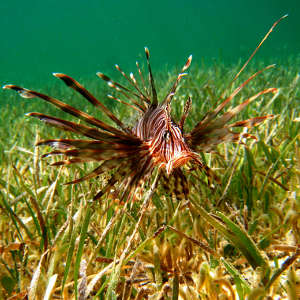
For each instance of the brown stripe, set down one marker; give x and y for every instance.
(72, 83)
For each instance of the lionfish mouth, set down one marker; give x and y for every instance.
(155, 142)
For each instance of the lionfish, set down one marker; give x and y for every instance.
(156, 141)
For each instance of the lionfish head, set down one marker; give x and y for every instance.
(164, 137)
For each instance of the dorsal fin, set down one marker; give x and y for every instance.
(154, 94)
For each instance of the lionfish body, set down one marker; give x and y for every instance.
(155, 142)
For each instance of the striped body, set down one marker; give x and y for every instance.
(166, 142)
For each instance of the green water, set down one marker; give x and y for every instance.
(82, 37)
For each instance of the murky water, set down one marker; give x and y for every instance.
(82, 37)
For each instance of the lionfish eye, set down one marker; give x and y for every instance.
(166, 135)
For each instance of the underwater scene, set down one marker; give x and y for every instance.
(150, 149)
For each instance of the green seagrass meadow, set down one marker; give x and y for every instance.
(237, 239)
